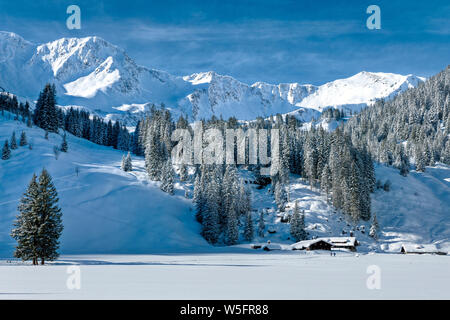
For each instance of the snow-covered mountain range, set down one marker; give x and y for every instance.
(93, 73)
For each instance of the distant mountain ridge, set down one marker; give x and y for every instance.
(93, 73)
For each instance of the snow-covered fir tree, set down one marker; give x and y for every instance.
(64, 145)
(39, 223)
(297, 230)
(374, 227)
(167, 179)
(26, 226)
(199, 198)
(23, 139)
(183, 172)
(232, 231)
(261, 225)
(280, 196)
(127, 163)
(248, 227)
(13, 141)
(46, 113)
(6, 152)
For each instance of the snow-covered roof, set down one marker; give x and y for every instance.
(342, 241)
(306, 243)
(419, 248)
(272, 246)
(334, 241)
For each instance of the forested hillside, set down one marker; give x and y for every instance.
(413, 127)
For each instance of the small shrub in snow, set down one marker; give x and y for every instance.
(56, 152)
(64, 145)
(6, 152)
(13, 143)
(23, 139)
(387, 186)
(126, 163)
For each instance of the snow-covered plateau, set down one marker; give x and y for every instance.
(272, 275)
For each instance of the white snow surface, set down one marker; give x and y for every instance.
(105, 210)
(359, 90)
(268, 275)
(96, 74)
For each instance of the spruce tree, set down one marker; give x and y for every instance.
(211, 213)
(46, 113)
(13, 143)
(50, 219)
(280, 196)
(6, 152)
(183, 173)
(248, 228)
(199, 198)
(127, 163)
(167, 178)
(39, 224)
(23, 139)
(64, 145)
(26, 226)
(374, 227)
(297, 224)
(232, 235)
(261, 225)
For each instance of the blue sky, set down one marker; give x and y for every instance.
(273, 41)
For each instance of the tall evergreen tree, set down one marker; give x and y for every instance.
(183, 172)
(280, 196)
(261, 225)
(39, 223)
(199, 197)
(26, 226)
(46, 113)
(248, 228)
(50, 219)
(298, 232)
(232, 234)
(167, 178)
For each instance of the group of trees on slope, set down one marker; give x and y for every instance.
(413, 127)
(48, 116)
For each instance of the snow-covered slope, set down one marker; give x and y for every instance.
(416, 209)
(96, 74)
(104, 209)
(359, 90)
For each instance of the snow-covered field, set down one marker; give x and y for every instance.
(287, 275)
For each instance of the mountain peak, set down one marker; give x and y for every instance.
(12, 45)
(94, 73)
